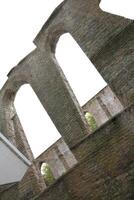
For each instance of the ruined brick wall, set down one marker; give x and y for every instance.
(10, 124)
(9, 192)
(78, 19)
(105, 157)
(59, 157)
(31, 184)
(106, 167)
(103, 106)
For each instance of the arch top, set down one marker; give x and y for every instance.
(63, 17)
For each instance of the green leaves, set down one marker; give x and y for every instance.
(91, 121)
(47, 174)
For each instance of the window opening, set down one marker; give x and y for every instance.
(81, 74)
(38, 127)
(47, 174)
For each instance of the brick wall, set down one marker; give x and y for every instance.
(106, 157)
(103, 106)
(59, 157)
(10, 193)
(105, 170)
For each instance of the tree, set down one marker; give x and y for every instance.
(47, 174)
(91, 121)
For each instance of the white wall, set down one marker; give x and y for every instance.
(13, 164)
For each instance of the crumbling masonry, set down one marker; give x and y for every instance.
(105, 158)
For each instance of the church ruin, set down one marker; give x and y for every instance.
(97, 165)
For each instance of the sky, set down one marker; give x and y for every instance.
(20, 21)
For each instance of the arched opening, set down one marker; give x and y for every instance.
(123, 8)
(92, 92)
(81, 74)
(38, 127)
(90, 120)
(47, 173)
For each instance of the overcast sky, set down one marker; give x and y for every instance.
(20, 22)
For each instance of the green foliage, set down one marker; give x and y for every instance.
(47, 174)
(91, 121)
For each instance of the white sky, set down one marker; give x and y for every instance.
(20, 22)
